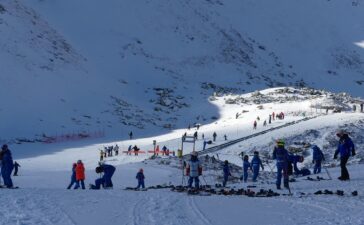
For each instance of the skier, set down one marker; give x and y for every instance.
(116, 149)
(140, 177)
(225, 137)
(101, 155)
(354, 108)
(273, 114)
(105, 180)
(292, 165)
(206, 143)
(346, 149)
(317, 158)
(246, 167)
(195, 135)
(258, 118)
(193, 170)
(203, 137)
(6, 165)
(256, 163)
(214, 135)
(129, 150)
(80, 175)
(237, 115)
(136, 149)
(361, 107)
(16, 167)
(270, 119)
(226, 170)
(73, 176)
(131, 135)
(280, 154)
(265, 123)
(255, 125)
(164, 150)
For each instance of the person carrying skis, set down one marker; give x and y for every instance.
(256, 163)
(73, 176)
(140, 177)
(280, 154)
(214, 135)
(346, 149)
(105, 181)
(16, 168)
(193, 170)
(80, 175)
(317, 158)
(246, 167)
(6, 166)
(226, 170)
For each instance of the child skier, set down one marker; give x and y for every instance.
(80, 175)
(16, 168)
(140, 177)
(256, 163)
(317, 158)
(73, 176)
(226, 170)
(246, 167)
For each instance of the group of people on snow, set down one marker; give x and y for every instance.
(271, 116)
(108, 151)
(286, 163)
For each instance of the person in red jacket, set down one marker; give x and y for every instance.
(80, 175)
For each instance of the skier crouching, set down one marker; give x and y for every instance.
(193, 170)
(105, 180)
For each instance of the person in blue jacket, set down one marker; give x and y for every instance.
(226, 170)
(7, 165)
(140, 177)
(73, 176)
(246, 167)
(317, 158)
(280, 154)
(105, 180)
(346, 149)
(256, 164)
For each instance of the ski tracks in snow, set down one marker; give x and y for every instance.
(157, 207)
(31, 207)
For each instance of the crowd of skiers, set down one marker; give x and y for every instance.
(286, 165)
(108, 151)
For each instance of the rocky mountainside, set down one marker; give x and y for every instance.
(150, 66)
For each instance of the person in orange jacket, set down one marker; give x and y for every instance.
(80, 175)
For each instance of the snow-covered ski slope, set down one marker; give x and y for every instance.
(296, 104)
(150, 66)
(45, 172)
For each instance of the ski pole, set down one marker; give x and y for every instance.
(328, 174)
(203, 177)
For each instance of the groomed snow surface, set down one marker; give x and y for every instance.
(46, 169)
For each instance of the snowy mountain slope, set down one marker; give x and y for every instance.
(150, 66)
(45, 172)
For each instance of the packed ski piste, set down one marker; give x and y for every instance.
(277, 156)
